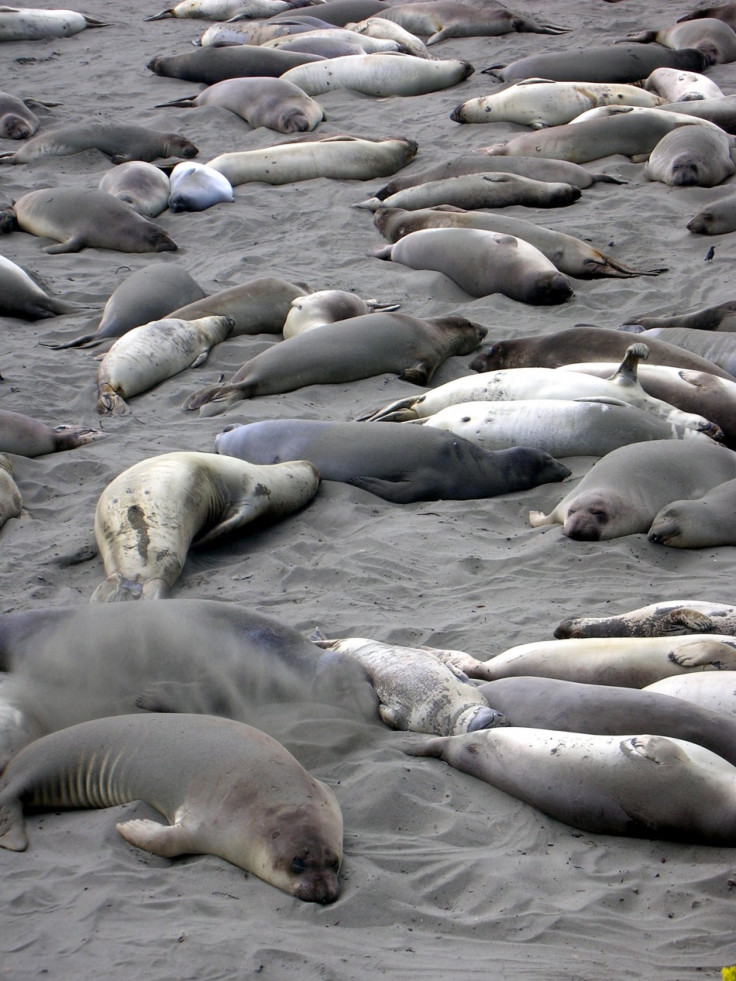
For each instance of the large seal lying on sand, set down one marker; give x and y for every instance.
(702, 522)
(398, 463)
(139, 184)
(442, 19)
(670, 617)
(640, 786)
(21, 297)
(620, 63)
(26, 436)
(226, 788)
(716, 218)
(691, 157)
(258, 306)
(120, 141)
(17, 119)
(26, 24)
(210, 65)
(722, 316)
(719, 347)
(709, 35)
(149, 515)
(624, 490)
(381, 75)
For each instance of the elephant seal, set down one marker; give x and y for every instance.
(327, 307)
(679, 86)
(148, 516)
(702, 522)
(716, 218)
(721, 111)
(226, 788)
(667, 618)
(139, 184)
(340, 157)
(381, 74)
(442, 19)
(258, 306)
(415, 690)
(27, 24)
(119, 141)
(359, 347)
(196, 187)
(717, 347)
(713, 691)
(274, 103)
(147, 355)
(723, 11)
(640, 786)
(17, 119)
(26, 436)
(571, 256)
(379, 28)
(608, 710)
(147, 294)
(691, 157)
(722, 316)
(223, 9)
(624, 490)
(11, 503)
(402, 464)
(343, 41)
(709, 35)
(340, 12)
(78, 218)
(482, 263)
(21, 297)
(210, 65)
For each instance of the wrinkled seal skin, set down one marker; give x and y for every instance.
(398, 463)
(26, 436)
(120, 141)
(226, 788)
(703, 522)
(210, 65)
(668, 618)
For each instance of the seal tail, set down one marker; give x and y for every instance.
(213, 401)
(426, 747)
(12, 826)
(187, 102)
(116, 589)
(169, 12)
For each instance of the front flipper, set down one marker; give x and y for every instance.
(239, 514)
(166, 840)
(683, 620)
(75, 243)
(701, 653)
(419, 374)
(12, 825)
(655, 749)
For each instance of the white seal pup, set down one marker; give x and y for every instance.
(28, 24)
(640, 786)
(326, 307)
(680, 86)
(381, 74)
(692, 156)
(226, 788)
(666, 618)
(21, 296)
(139, 184)
(148, 516)
(195, 187)
(702, 522)
(149, 354)
(26, 436)
(11, 502)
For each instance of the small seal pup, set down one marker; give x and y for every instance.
(148, 516)
(22, 297)
(642, 786)
(226, 788)
(701, 522)
(26, 436)
(11, 503)
(667, 618)
(196, 187)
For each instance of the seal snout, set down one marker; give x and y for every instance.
(318, 886)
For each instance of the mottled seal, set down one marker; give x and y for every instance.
(21, 297)
(666, 618)
(442, 19)
(226, 788)
(623, 491)
(327, 307)
(398, 463)
(381, 74)
(119, 141)
(25, 436)
(258, 306)
(702, 522)
(642, 786)
(139, 184)
(147, 355)
(482, 263)
(709, 35)
(210, 65)
(17, 119)
(148, 516)
(692, 156)
(11, 502)
(196, 187)
(620, 63)
(27, 24)
(344, 351)
(716, 218)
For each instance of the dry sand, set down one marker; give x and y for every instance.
(443, 876)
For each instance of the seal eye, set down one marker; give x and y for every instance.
(298, 865)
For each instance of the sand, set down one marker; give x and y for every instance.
(443, 875)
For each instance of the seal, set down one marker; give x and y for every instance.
(342, 41)
(718, 348)
(703, 522)
(722, 316)
(25, 436)
(382, 74)
(119, 141)
(709, 35)
(140, 185)
(258, 306)
(196, 187)
(717, 218)
(721, 111)
(148, 516)
(341, 157)
(415, 690)
(608, 710)
(691, 157)
(723, 11)
(79, 217)
(482, 263)
(326, 307)
(147, 355)
(345, 351)
(210, 65)
(274, 103)
(571, 256)
(636, 786)
(442, 19)
(667, 618)
(11, 502)
(226, 789)
(378, 28)
(716, 692)
(679, 86)
(26, 24)
(17, 119)
(624, 490)
(223, 9)
(402, 464)
(22, 297)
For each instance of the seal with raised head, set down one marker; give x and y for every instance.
(148, 516)
(382, 74)
(442, 19)
(25, 436)
(702, 522)
(139, 184)
(226, 788)
(21, 296)
(667, 618)
(643, 786)
(693, 156)
(398, 463)
(119, 141)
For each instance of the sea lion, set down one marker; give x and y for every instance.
(666, 618)
(147, 355)
(25, 436)
(11, 502)
(139, 184)
(722, 316)
(709, 35)
(258, 306)
(702, 522)
(481, 190)
(145, 295)
(341, 157)
(624, 490)
(326, 307)
(537, 102)
(640, 786)
(717, 347)
(442, 19)
(572, 256)
(716, 692)
(210, 65)
(148, 516)
(415, 690)
(482, 263)
(608, 710)
(81, 218)
(679, 86)
(21, 297)
(271, 102)
(196, 187)
(402, 464)
(381, 74)
(17, 119)
(691, 157)
(119, 141)
(226, 788)
(344, 351)
(27, 24)
(716, 218)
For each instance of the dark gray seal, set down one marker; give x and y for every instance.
(610, 63)
(26, 436)
(722, 317)
(210, 65)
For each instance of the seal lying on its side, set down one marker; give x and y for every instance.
(618, 63)
(120, 141)
(139, 184)
(701, 522)
(21, 297)
(716, 692)
(26, 436)
(258, 306)
(442, 19)
(691, 156)
(27, 24)
(667, 618)
(226, 788)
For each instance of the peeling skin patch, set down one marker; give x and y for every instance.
(137, 520)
